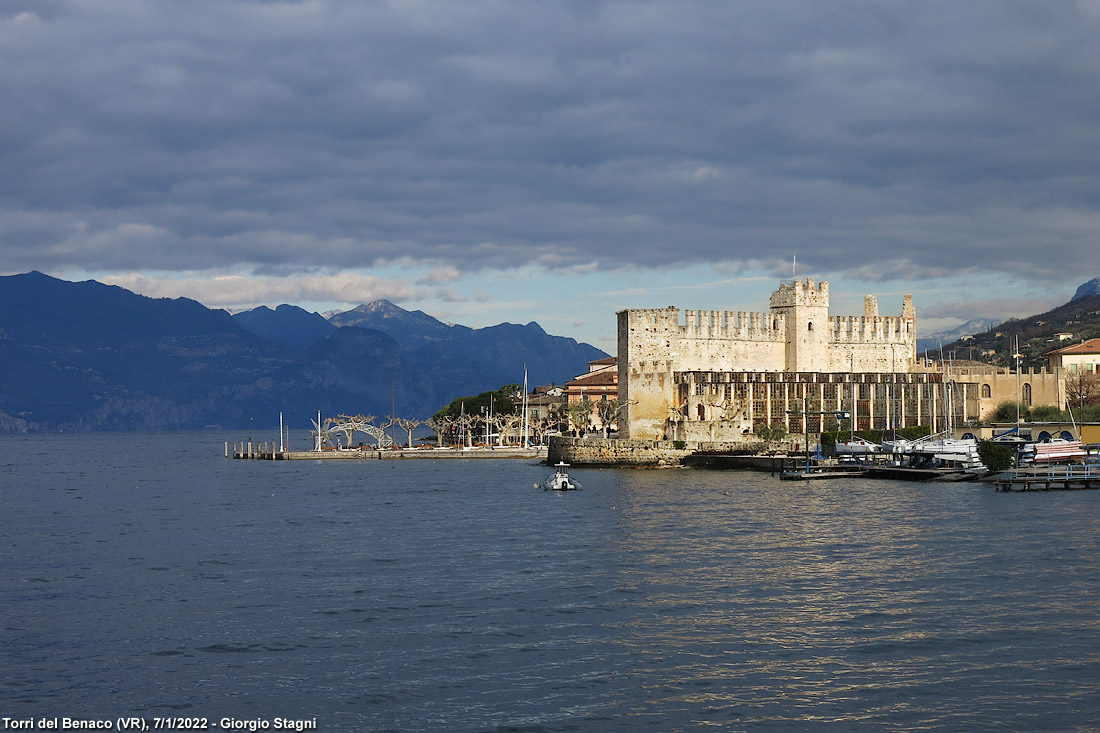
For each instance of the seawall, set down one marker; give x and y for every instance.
(614, 452)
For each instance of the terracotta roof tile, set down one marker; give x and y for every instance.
(1092, 346)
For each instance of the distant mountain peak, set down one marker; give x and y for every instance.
(1092, 287)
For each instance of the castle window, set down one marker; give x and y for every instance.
(809, 326)
(986, 392)
(1027, 394)
(702, 412)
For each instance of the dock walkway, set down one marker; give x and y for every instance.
(1071, 477)
(269, 452)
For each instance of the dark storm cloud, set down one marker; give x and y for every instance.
(874, 139)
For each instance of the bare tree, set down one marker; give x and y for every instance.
(1082, 388)
(580, 415)
(609, 412)
(408, 425)
(509, 425)
(441, 426)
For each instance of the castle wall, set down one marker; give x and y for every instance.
(796, 336)
(1036, 387)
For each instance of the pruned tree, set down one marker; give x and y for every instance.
(1083, 388)
(408, 424)
(509, 425)
(442, 426)
(608, 411)
(580, 415)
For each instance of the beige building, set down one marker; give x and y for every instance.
(715, 375)
(1079, 358)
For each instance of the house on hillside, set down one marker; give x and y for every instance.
(1082, 357)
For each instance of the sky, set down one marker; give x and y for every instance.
(556, 161)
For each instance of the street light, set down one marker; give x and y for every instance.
(839, 414)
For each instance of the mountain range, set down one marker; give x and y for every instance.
(933, 341)
(1032, 337)
(87, 356)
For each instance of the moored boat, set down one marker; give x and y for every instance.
(560, 480)
(857, 446)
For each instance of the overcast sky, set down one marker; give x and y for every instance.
(521, 160)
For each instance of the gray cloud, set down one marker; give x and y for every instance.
(877, 140)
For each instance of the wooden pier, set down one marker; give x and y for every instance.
(1072, 477)
(270, 452)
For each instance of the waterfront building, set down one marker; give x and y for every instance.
(716, 375)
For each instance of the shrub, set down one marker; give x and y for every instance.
(996, 456)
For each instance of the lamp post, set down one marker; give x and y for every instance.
(839, 414)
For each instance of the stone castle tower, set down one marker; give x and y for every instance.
(796, 336)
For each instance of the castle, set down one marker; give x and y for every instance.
(718, 374)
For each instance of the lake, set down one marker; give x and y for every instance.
(146, 576)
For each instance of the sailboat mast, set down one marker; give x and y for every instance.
(525, 441)
(1016, 354)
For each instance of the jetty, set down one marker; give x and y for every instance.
(1070, 477)
(270, 452)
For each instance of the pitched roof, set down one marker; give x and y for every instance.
(603, 378)
(1092, 346)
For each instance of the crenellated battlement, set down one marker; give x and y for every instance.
(710, 324)
(871, 330)
(784, 349)
(806, 292)
(797, 335)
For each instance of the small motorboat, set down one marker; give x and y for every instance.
(560, 481)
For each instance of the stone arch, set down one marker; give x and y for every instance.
(1026, 394)
(702, 412)
(987, 391)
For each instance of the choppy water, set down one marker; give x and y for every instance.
(149, 576)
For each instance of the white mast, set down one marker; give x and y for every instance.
(1017, 357)
(525, 441)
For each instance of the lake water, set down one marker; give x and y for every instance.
(149, 577)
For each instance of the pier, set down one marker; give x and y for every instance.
(263, 451)
(1071, 477)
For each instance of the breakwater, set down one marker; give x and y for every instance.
(615, 452)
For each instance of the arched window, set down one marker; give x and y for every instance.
(986, 392)
(702, 412)
(1066, 435)
(1027, 394)
(810, 326)
(1044, 436)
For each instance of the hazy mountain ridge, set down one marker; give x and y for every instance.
(1036, 335)
(1092, 287)
(933, 341)
(88, 356)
